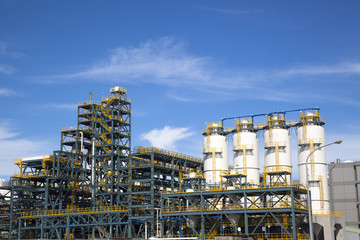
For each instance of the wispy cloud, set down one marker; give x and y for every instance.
(348, 68)
(167, 137)
(347, 150)
(230, 11)
(65, 106)
(7, 69)
(4, 51)
(6, 131)
(7, 92)
(12, 145)
(164, 62)
(167, 62)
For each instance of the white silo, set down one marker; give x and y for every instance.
(311, 135)
(246, 150)
(215, 152)
(277, 148)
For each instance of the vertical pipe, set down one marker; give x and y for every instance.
(157, 222)
(293, 215)
(245, 215)
(82, 142)
(42, 228)
(93, 170)
(146, 230)
(19, 230)
(202, 218)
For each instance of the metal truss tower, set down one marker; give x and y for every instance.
(81, 190)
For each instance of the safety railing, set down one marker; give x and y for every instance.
(225, 187)
(309, 140)
(38, 174)
(277, 169)
(273, 144)
(116, 96)
(72, 211)
(140, 162)
(212, 149)
(258, 236)
(242, 147)
(328, 212)
(235, 206)
(141, 149)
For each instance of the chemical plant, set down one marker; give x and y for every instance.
(97, 186)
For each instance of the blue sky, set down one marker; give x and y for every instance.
(184, 63)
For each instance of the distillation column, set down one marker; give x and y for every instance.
(311, 135)
(246, 150)
(215, 152)
(277, 150)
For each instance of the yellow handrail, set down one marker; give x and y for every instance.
(73, 211)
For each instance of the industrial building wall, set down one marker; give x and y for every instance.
(344, 181)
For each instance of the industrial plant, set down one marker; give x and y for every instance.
(98, 187)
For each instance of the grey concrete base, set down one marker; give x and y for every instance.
(333, 227)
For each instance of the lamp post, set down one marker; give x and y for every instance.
(308, 186)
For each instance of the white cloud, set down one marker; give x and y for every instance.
(6, 131)
(65, 106)
(12, 146)
(7, 69)
(6, 92)
(347, 150)
(4, 50)
(349, 68)
(167, 62)
(166, 137)
(164, 62)
(230, 11)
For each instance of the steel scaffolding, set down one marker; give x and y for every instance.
(93, 187)
(153, 170)
(274, 211)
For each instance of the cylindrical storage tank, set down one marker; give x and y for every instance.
(246, 150)
(215, 153)
(277, 147)
(311, 135)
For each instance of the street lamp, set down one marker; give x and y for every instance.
(308, 186)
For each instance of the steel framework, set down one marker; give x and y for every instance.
(153, 170)
(234, 208)
(93, 187)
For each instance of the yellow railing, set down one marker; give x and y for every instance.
(212, 149)
(147, 163)
(241, 147)
(308, 140)
(328, 212)
(274, 169)
(72, 211)
(116, 96)
(216, 188)
(273, 144)
(193, 175)
(81, 128)
(182, 236)
(235, 206)
(89, 103)
(259, 236)
(17, 161)
(118, 89)
(141, 149)
(34, 174)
